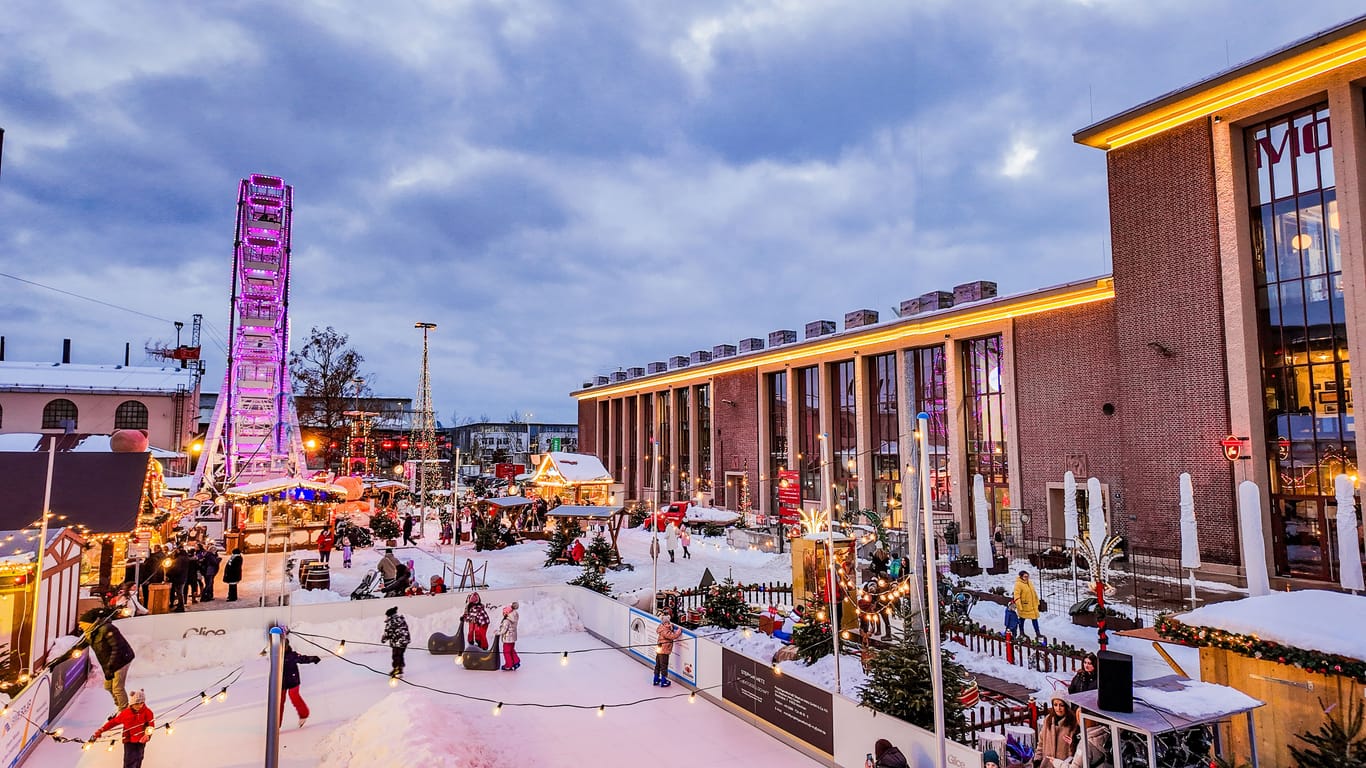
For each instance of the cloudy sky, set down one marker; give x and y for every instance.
(566, 188)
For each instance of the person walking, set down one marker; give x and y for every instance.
(685, 538)
(325, 542)
(671, 540)
(666, 634)
(408, 529)
(209, 566)
(397, 636)
(508, 629)
(232, 573)
(291, 682)
(1027, 603)
(346, 550)
(476, 618)
(1057, 735)
(951, 539)
(111, 649)
(138, 724)
(388, 566)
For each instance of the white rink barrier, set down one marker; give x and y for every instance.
(839, 732)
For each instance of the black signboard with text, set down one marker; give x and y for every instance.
(798, 708)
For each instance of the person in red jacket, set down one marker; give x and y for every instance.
(325, 542)
(137, 722)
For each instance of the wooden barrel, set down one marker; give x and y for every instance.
(317, 576)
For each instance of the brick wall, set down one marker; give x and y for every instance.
(588, 426)
(1173, 404)
(737, 427)
(1065, 374)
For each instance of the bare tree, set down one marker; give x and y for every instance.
(325, 373)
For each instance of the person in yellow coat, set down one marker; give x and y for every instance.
(1027, 602)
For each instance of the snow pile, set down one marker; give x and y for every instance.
(543, 615)
(411, 728)
(1195, 700)
(710, 515)
(1330, 622)
(311, 596)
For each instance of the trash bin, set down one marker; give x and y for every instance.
(232, 540)
(159, 598)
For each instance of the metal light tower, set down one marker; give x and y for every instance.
(424, 436)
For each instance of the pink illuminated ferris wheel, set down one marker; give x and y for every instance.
(254, 432)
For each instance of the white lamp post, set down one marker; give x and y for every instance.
(932, 588)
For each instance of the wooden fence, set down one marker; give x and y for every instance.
(1052, 657)
(993, 713)
(770, 593)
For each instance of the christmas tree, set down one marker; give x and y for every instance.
(725, 606)
(591, 578)
(812, 635)
(899, 683)
(486, 534)
(566, 530)
(746, 504)
(1338, 743)
(384, 526)
(598, 556)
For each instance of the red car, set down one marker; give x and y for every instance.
(673, 513)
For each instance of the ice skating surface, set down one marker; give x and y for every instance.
(358, 719)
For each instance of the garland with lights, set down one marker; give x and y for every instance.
(1257, 648)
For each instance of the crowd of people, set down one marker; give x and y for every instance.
(190, 567)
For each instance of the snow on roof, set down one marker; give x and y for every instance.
(23, 442)
(277, 484)
(578, 467)
(72, 377)
(1193, 699)
(19, 547)
(1330, 622)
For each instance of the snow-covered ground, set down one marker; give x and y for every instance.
(358, 719)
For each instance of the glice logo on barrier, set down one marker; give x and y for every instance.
(203, 631)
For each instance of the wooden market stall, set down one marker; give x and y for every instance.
(611, 518)
(290, 512)
(573, 478)
(1303, 653)
(53, 613)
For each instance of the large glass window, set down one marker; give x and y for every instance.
(59, 413)
(704, 482)
(927, 371)
(632, 445)
(685, 478)
(647, 420)
(130, 414)
(666, 467)
(844, 450)
(808, 432)
(985, 427)
(1302, 322)
(618, 438)
(883, 436)
(776, 389)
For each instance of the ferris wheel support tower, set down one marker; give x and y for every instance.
(254, 432)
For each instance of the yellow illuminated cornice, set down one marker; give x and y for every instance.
(1032, 304)
(1208, 100)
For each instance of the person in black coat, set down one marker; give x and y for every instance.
(208, 568)
(111, 649)
(153, 571)
(291, 682)
(886, 756)
(408, 528)
(1085, 679)
(232, 573)
(178, 573)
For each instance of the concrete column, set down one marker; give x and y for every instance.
(827, 427)
(906, 423)
(1345, 105)
(864, 448)
(759, 495)
(961, 487)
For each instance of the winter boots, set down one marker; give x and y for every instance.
(662, 681)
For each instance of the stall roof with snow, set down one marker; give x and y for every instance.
(276, 485)
(504, 502)
(80, 378)
(75, 443)
(573, 477)
(1318, 620)
(1172, 703)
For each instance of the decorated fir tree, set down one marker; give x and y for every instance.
(566, 530)
(591, 578)
(899, 684)
(486, 534)
(746, 504)
(1339, 743)
(811, 636)
(724, 605)
(598, 556)
(384, 526)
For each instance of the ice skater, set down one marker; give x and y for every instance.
(508, 629)
(111, 649)
(138, 724)
(666, 634)
(476, 617)
(397, 636)
(292, 682)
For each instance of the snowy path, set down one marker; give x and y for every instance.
(359, 720)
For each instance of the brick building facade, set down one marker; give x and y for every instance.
(1237, 301)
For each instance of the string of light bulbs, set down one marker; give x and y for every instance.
(563, 654)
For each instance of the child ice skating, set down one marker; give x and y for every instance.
(137, 722)
(508, 629)
(291, 682)
(397, 636)
(666, 633)
(477, 619)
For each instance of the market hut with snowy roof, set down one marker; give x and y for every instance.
(27, 634)
(281, 511)
(1303, 653)
(573, 478)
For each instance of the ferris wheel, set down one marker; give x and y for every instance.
(254, 433)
